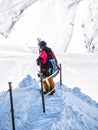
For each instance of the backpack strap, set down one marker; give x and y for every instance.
(48, 52)
(54, 65)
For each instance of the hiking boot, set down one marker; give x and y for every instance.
(52, 92)
(45, 92)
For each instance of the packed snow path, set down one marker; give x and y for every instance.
(67, 109)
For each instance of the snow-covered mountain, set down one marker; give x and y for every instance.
(10, 12)
(67, 109)
(72, 24)
(68, 26)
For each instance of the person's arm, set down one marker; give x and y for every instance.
(42, 58)
(58, 66)
(39, 60)
(53, 55)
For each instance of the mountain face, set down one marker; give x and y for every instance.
(10, 13)
(68, 26)
(71, 24)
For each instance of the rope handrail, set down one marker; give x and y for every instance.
(25, 88)
(3, 99)
(38, 81)
(52, 75)
(5, 121)
(22, 109)
(49, 92)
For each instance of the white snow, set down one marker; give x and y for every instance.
(66, 109)
(67, 27)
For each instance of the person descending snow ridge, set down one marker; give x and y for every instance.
(48, 65)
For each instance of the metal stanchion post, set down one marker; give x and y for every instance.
(12, 109)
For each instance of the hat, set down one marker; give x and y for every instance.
(42, 44)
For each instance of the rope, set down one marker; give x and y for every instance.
(4, 97)
(25, 88)
(38, 81)
(52, 75)
(5, 121)
(49, 92)
(18, 109)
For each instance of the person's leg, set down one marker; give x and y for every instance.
(46, 86)
(52, 85)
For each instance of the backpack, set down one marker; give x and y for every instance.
(51, 64)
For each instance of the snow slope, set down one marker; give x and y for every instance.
(77, 70)
(67, 109)
(63, 25)
(11, 59)
(10, 12)
(71, 25)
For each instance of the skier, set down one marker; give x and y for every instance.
(45, 56)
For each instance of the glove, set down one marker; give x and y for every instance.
(39, 74)
(58, 67)
(39, 60)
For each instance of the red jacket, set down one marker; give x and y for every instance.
(43, 56)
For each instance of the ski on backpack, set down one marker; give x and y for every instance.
(51, 76)
(54, 74)
(51, 92)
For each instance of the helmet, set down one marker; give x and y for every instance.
(42, 44)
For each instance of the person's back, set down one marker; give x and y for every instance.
(46, 54)
(51, 63)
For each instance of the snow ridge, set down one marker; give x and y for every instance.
(68, 109)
